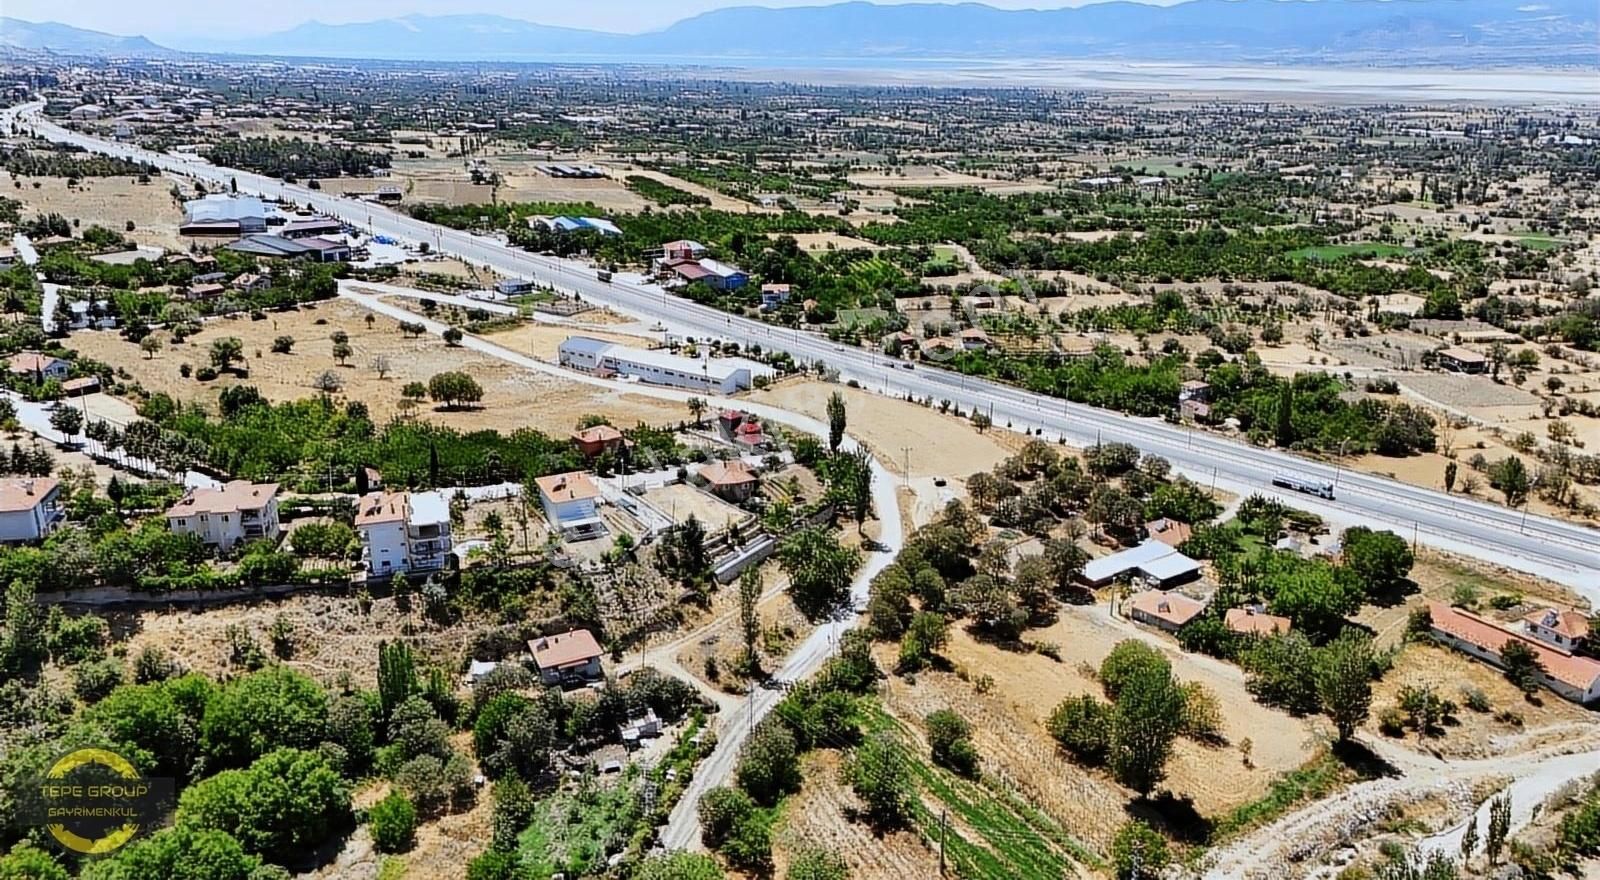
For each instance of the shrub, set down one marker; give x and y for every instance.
(950, 741)
(1082, 725)
(393, 822)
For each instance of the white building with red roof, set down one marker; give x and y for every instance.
(1573, 677)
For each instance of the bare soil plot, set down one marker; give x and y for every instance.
(513, 397)
(333, 636)
(941, 445)
(680, 502)
(1476, 735)
(1031, 685)
(821, 241)
(110, 202)
(719, 201)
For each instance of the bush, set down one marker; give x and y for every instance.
(1474, 698)
(1202, 714)
(816, 864)
(1138, 851)
(94, 680)
(1082, 725)
(393, 822)
(949, 739)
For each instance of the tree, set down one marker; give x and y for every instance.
(150, 344)
(393, 821)
(1144, 721)
(749, 618)
(1510, 476)
(820, 570)
(452, 336)
(1283, 434)
(1449, 476)
(1138, 852)
(67, 420)
(1469, 838)
(923, 638)
(878, 773)
(22, 645)
(328, 382)
(1521, 665)
(225, 351)
(721, 810)
(1126, 659)
(252, 715)
(282, 344)
(1344, 681)
(285, 804)
(176, 854)
(454, 388)
(342, 352)
(950, 742)
(836, 421)
(697, 408)
(769, 764)
(1382, 560)
(28, 862)
(1499, 827)
(514, 735)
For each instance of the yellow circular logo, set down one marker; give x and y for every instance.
(94, 801)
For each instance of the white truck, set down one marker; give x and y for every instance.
(1319, 488)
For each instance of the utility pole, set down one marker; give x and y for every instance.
(944, 814)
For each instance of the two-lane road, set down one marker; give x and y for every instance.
(1540, 545)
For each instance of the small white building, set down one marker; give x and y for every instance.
(403, 532)
(239, 511)
(569, 505)
(720, 375)
(29, 508)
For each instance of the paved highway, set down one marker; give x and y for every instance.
(1541, 545)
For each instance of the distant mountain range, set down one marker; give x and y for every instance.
(48, 36)
(1376, 32)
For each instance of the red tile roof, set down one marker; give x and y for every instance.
(1250, 622)
(1174, 608)
(1578, 672)
(569, 648)
(1571, 624)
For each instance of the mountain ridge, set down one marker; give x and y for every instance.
(1380, 31)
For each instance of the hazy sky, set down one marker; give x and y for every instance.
(231, 18)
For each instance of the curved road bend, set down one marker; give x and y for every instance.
(1540, 545)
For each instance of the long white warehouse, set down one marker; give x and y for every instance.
(722, 375)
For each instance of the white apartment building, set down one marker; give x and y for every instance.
(239, 511)
(29, 508)
(568, 501)
(403, 532)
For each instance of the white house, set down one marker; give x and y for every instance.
(569, 505)
(721, 375)
(1152, 561)
(403, 532)
(239, 511)
(29, 508)
(39, 366)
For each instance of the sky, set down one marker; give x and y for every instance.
(158, 19)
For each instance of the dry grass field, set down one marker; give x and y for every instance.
(110, 202)
(513, 397)
(941, 445)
